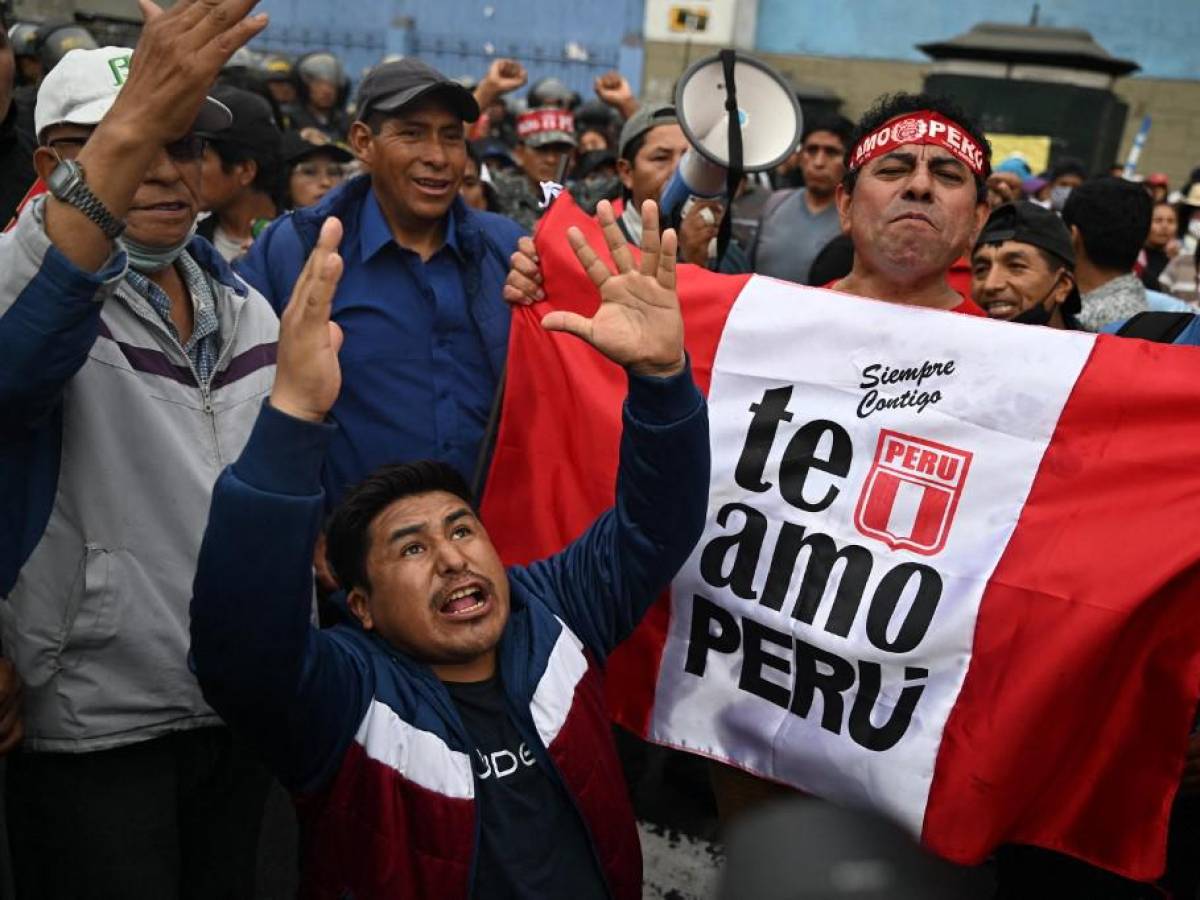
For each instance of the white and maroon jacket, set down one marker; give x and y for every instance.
(369, 739)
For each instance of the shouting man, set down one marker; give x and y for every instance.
(450, 739)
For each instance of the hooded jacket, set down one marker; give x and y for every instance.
(109, 449)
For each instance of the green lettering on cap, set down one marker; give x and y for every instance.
(120, 68)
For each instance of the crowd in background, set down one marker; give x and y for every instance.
(289, 145)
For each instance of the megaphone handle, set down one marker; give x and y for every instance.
(734, 173)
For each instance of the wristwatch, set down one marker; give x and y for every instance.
(66, 183)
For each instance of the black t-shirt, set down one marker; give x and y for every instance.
(532, 842)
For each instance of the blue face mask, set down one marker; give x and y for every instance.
(148, 260)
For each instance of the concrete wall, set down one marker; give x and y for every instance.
(1173, 146)
(1160, 35)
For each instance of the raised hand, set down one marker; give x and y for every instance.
(506, 75)
(638, 324)
(613, 89)
(307, 374)
(177, 59)
(503, 76)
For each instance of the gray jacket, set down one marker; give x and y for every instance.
(109, 450)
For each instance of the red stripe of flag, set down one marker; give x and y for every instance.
(1071, 724)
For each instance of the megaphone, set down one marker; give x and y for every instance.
(768, 116)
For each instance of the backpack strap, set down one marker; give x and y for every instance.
(1163, 327)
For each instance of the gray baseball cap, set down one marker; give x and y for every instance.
(643, 120)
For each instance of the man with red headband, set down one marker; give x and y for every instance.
(912, 199)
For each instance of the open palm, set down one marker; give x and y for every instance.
(638, 324)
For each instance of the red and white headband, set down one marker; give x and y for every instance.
(922, 127)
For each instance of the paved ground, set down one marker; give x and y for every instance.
(677, 866)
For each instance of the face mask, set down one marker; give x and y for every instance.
(1058, 197)
(148, 260)
(1038, 314)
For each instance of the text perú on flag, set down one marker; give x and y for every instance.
(946, 571)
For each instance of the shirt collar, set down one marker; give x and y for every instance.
(1122, 284)
(375, 234)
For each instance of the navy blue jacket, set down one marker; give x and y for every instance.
(368, 737)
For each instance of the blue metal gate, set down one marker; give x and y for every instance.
(571, 40)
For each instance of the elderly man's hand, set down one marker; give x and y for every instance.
(12, 729)
(638, 324)
(307, 374)
(177, 59)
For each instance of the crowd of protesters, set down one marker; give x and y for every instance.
(225, 268)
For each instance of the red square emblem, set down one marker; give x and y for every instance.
(911, 493)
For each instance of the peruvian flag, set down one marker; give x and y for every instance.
(948, 569)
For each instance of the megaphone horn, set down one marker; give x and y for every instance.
(768, 115)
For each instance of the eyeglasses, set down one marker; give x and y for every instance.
(332, 171)
(187, 149)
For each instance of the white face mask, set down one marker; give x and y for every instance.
(148, 260)
(1058, 197)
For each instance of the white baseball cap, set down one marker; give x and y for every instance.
(81, 89)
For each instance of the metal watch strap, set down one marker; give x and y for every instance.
(81, 197)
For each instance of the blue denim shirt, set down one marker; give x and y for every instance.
(416, 379)
(425, 341)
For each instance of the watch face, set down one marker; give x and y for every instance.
(64, 177)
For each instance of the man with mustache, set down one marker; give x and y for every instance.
(451, 738)
(913, 195)
(131, 359)
(1023, 267)
(912, 199)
